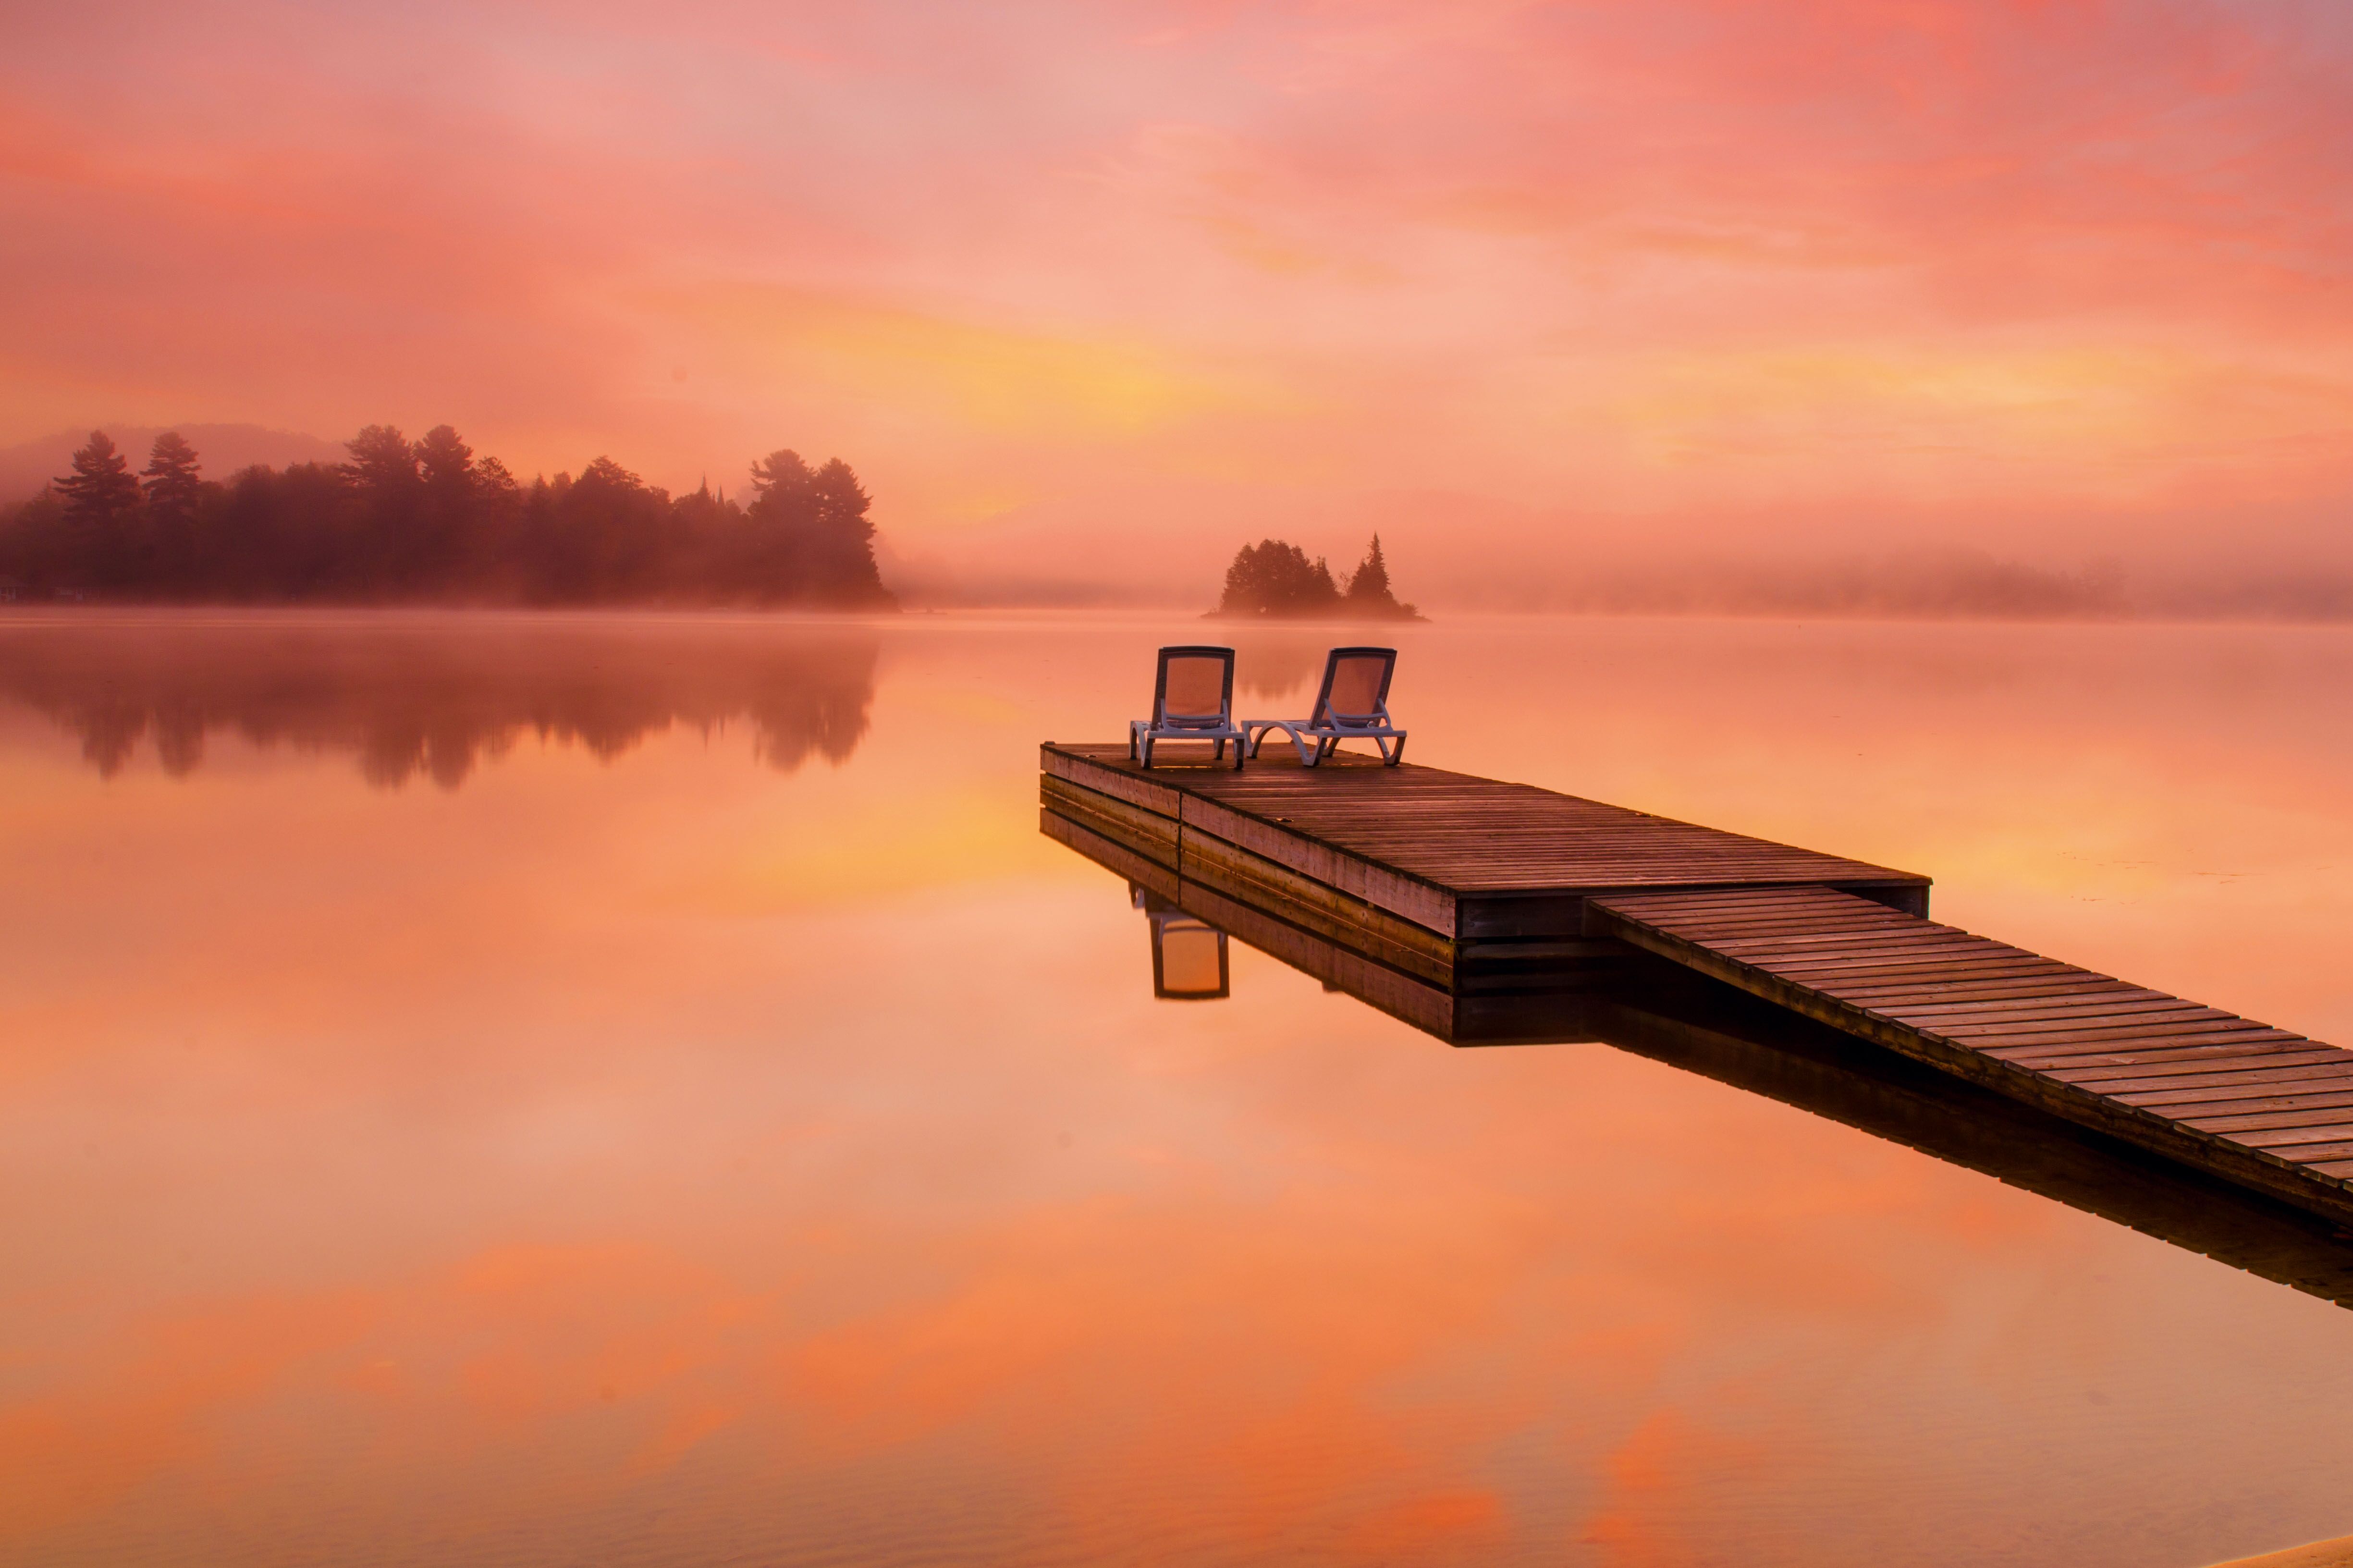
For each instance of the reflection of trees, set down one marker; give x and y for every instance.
(433, 698)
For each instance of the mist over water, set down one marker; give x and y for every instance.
(708, 1121)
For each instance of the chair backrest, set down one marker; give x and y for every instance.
(1195, 688)
(1356, 688)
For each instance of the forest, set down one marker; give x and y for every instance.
(1272, 580)
(428, 522)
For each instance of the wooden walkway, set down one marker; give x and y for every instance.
(1482, 911)
(2265, 1106)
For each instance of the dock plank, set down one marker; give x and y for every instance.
(2165, 1072)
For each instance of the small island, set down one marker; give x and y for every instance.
(1274, 580)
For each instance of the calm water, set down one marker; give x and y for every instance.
(642, 1090)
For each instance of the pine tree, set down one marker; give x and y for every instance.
(382, 465)
(782, 487)
(444, 462)
(391, 556)
(100, 490)
(806, 536)
(841, 561)
(101, 515)
(1369, 588)
(448, 526)
(173, 479)
(175, 485)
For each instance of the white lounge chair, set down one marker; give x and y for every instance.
(1353, 704)
(1192, 700)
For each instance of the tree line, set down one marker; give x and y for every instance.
(426, 520)
(1275, 580)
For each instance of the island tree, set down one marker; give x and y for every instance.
(1275, 580)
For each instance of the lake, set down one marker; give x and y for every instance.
(641, 1089)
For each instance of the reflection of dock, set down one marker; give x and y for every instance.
(1490, 912)
(1709, 1029)
(1535, 1002)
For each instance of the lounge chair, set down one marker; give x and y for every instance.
(1353, 704)
(1192, 700)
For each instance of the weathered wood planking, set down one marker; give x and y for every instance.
(1544, 1011)
(2259, 1106)
(1461, 857)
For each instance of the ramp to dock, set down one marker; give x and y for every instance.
(2266, 1107)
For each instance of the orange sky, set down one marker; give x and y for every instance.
(2061, 276)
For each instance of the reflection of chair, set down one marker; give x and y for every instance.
(1353, 704)
(1188, 959)
(1188, 953)
(1192, 700)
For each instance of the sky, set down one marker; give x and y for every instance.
(1107, 288)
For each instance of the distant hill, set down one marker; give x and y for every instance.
(225, 449)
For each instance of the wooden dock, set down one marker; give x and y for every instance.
(1493, 912)
(1428, 869)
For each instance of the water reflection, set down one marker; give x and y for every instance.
(1700, 1027)
(433, 697)
(1656, 1009)
(1188, 953)
(676, 1162)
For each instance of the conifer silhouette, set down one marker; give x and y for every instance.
(1368, 587)
(173, 479)
(100, 489)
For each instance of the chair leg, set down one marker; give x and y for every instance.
(1398, 755)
